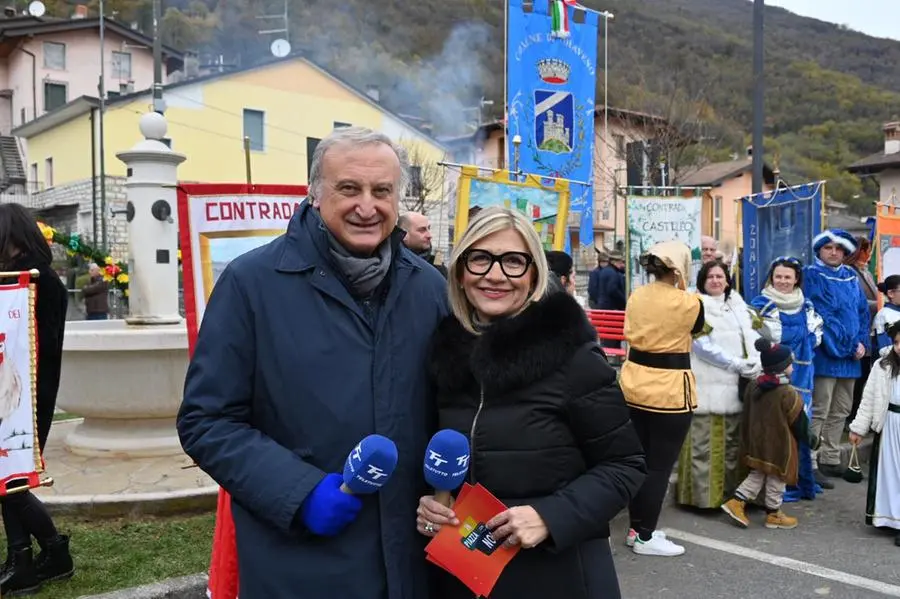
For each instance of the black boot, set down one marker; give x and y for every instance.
(20, 577)
(55, 561)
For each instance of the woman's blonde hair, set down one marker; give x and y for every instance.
(487, 222)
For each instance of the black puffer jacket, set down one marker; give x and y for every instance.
(552, 431)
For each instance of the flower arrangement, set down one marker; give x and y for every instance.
(114, 272)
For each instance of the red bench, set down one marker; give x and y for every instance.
(610, 325)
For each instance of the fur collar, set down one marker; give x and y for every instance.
(511, 353)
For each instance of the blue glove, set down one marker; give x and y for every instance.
(327, 510)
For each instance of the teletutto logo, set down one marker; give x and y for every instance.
(436, 460)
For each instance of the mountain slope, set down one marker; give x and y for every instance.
(829, 89)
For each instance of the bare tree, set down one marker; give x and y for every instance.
(426, 189)
(678, 130)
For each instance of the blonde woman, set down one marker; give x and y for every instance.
(518, 373)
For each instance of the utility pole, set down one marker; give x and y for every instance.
(102, 93)
(159, 105)
(758, 95)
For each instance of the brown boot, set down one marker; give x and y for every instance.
(780, 520)
(734, 507)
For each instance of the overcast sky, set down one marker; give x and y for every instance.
(874, 17)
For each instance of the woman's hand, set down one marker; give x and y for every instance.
(431, 515)
(855, 439)
(518, 526)
(860, 351)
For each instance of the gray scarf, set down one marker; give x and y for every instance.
(364, 275)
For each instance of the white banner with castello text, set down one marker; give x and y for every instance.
(20, 455)
(217, 223)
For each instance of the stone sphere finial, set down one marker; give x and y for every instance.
(153, 126)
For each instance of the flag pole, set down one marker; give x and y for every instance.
(603, 158)
(505, 83)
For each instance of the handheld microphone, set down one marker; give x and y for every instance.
(369, 465)
(446, 463)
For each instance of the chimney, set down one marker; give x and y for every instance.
(372, 92)
(9, 12)
(749, 151)
(81, 11)
(892, 137)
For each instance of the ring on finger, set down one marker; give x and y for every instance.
(428, 527)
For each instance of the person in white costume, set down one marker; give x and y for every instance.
(879, 412)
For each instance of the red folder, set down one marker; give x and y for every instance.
(468, 551)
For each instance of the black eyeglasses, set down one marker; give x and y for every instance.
(513, 264)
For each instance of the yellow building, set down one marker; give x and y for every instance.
(284, 106)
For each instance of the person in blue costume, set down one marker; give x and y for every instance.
(789, 319)
(888, 315)
(834, 290)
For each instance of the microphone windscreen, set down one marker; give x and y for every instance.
(446, 460)
(370, 465)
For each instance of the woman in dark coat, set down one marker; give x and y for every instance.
(517, 372)
(23, 247)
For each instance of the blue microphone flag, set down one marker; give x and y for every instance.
(370, 464)
(446, 460)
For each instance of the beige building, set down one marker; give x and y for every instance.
(728, 182)
(884, 166)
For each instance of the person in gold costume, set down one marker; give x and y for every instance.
(661, 319)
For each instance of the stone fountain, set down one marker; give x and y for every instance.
(125, 377)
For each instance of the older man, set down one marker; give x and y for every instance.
(709, 249)
(833, 289)
(309, 344)
(418, 237)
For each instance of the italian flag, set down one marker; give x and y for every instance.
(559, 17)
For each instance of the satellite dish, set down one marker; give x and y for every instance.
(37, 8)
(280, 48)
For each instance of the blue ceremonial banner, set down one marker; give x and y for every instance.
(551, 88)
(779, 223)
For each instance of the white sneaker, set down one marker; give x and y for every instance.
(630, 537)
(658, 545)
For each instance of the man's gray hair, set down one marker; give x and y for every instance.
(355, 136)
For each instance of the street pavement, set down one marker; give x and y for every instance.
(832, 553)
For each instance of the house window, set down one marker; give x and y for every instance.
(33, 176)
(717, 217)
(121, 65)
(254, 127)
(55, 56)
(167, 141)
(48, 172)
(501, 153)
(340, 125)
(311, 145)
(619, 145)
(55, 95)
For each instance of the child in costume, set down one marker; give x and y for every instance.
(774, 420)
(879, 412)
(791, 320)
(888, 315)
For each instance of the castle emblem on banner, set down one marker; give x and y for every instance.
(554, 116)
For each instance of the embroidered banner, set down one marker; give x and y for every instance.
(551, 80)
(779, 223)
(651, 220)
(219, 222)
(547, 206)
(20, 455)
(887, 236)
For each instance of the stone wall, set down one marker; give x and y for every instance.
(69, 208)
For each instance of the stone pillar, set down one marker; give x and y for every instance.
(129, 410)
(152, 225)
